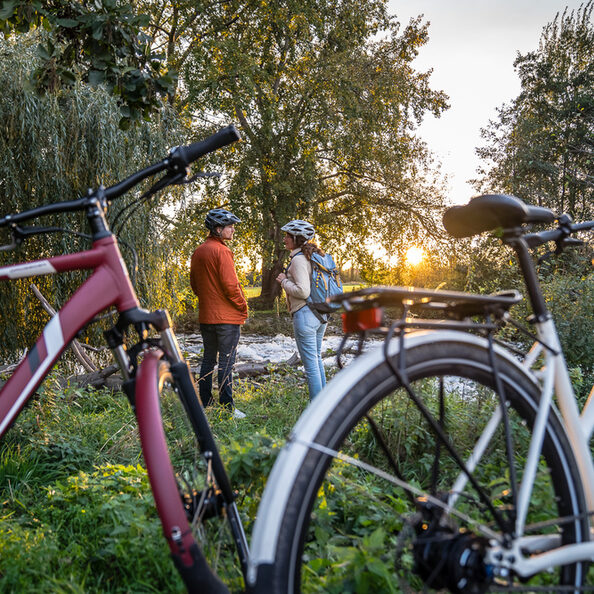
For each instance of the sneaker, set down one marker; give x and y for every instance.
(237, 414)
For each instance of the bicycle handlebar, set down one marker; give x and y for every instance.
(182, 156)
(177, 161)
(562, 232)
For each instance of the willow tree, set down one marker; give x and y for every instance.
(542, 146)
(53, 147)
(328, 100)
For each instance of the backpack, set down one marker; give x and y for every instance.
(325, 282)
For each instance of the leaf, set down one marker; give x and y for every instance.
(124, 124)
(97, 32)
(7, 9)
(43, 52)
(96, 77)
(67, 23)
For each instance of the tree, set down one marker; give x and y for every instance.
(328, 101)
(102, 42)
(53, 147)
(542, 146)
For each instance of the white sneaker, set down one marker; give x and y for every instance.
(237, 414)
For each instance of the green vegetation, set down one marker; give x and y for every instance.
(77, 512)
(101, 43)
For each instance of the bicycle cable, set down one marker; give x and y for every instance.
(399, 483)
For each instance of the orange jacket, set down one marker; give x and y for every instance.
(214, 280)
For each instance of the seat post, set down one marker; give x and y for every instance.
(519, 245)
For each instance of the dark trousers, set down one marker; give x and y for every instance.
(220, 340)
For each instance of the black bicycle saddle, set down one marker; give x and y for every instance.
(489, 211)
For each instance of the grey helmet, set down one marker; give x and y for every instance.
(298, 227)
(219, 217)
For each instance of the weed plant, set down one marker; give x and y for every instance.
(78, 515)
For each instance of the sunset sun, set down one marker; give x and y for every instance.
(414, 255)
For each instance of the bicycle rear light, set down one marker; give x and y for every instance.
(362, 319)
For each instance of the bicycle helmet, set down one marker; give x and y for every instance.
(298, 227)
(219, 217)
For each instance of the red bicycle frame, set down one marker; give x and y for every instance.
(109, 285)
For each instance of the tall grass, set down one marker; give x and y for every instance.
(77, 512)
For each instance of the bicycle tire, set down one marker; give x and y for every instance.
(178, 475)
(311, 511)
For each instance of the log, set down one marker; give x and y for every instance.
(100, 378)
(255, 369)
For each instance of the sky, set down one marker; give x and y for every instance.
(471, 49)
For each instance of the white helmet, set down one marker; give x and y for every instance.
(298, 227)
(219, 217)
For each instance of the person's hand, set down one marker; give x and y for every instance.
(281, 277)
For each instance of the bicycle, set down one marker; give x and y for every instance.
(443, 452)
(189, 481)
(185, 470)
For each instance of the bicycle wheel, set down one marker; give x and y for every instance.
(184, 484)
(349, 526)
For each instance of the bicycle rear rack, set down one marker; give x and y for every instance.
(420, 309)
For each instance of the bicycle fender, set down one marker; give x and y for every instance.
(186, 554)
(278, 489)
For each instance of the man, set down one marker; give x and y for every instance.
(221, 305)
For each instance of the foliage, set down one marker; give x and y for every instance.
(102, 41)
(76, 501)
(540, 148)
(567, 283)
(53, 148)
(568, 287)
(328, 100)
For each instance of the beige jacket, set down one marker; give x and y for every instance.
(297, 285)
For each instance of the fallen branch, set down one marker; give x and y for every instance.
(82, 357)
(101, 378)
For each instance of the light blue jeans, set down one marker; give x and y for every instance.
(309, 332)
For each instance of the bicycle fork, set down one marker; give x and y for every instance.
(139, 386)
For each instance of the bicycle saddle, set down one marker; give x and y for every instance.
(489, 211)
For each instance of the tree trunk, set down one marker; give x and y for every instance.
(271, 289)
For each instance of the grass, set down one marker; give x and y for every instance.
(77, 513)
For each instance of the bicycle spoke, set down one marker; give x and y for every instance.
(422, 478)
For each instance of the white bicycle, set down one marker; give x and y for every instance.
(445, 460)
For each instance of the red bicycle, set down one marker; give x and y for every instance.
(187, 476)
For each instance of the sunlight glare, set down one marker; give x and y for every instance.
(414, 255)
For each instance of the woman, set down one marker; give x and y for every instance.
(308, 326)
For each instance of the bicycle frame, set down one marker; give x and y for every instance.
(555, 380)
(109, 285)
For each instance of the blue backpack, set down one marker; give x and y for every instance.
(325, 282)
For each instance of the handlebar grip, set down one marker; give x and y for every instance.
(182, 156)
(535, 239)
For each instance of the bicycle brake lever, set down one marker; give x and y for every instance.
(567, 242)
(20, 233)
(16, 241)
(17, 234)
